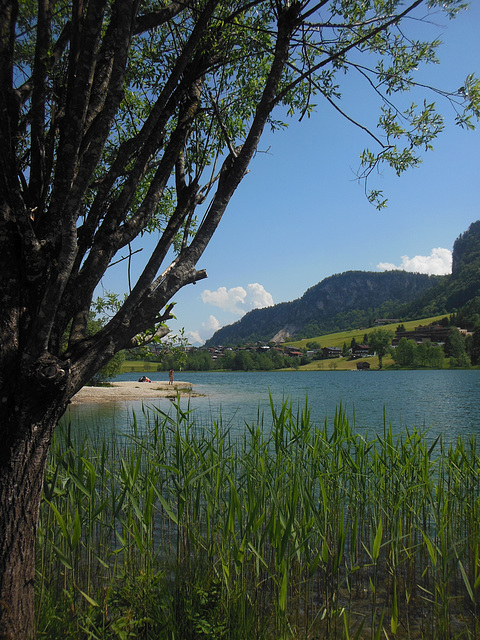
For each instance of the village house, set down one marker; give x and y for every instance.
(331, 352)
(429, 333)
(293, 352)
(361, 351)
(363, 366)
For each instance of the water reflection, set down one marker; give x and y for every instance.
(446, 402)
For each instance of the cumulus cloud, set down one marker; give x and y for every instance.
(212, 324)
(438, 263)
(238, 300)
(194, 337)
(207, 329)
(258, 297)
(226, 299)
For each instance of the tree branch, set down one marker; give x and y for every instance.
(25, 90)
(342, 52)
(151, 132)
(37, 168)
(155, 19)
(110, 237)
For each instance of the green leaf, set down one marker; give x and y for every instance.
(76, 531)
(166, 506)
(431, 549)
(63, 558)
(88, 598)
(466, 581)
(377, 542)
(282, 598)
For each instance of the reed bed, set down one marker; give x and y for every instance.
(182, 530)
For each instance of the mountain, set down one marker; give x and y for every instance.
(459, 290)
(355, 298)
(342, 301)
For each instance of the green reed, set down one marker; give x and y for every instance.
(290, 530)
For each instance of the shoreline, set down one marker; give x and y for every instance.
(132, 390)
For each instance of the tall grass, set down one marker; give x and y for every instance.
(180, 530)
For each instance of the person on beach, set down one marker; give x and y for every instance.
(170, 376)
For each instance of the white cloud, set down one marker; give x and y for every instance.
(212, 325)
(237, 300)
(194, 337)
(227, 300)
(258, 297)
(206, 330)
(439, 263)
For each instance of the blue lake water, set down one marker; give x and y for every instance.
(445, 402)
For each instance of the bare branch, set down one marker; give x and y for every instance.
(37, 170)
(354, 122)
(221, 124)
(25, 90)
(123, 258)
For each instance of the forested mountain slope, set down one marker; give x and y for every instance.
(459, 290)
(355, 298)
(342, 301)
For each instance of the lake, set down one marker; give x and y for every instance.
(446, 402)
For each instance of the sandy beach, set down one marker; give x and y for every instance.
(120, 391)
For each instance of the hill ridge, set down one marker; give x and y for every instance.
(356, 298)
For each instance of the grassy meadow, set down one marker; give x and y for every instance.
(344, 364)
(185, 531)
(337, 339)
(140, 366)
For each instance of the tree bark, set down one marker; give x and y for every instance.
(28, 420)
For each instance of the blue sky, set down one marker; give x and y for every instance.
(300, 216)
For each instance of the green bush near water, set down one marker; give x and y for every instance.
(184, 531)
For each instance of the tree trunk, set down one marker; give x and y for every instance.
(23, 458)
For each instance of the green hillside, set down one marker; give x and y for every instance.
(337, 339)
(343, 364)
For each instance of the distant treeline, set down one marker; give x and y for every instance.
(242, 360)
